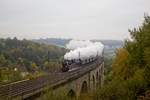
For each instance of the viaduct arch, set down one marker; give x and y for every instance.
(84, 87)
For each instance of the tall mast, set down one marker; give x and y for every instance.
(79, 54)
(97, 53)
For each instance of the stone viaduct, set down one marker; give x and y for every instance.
(84, 83)
(82, 80)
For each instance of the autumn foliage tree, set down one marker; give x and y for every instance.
(130, 68)
(119, 67)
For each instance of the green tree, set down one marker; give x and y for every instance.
(131, 68)
(119, 66)
(34, 67)
(3, 61)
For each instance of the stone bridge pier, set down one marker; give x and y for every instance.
(83, 84)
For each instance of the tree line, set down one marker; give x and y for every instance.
(27, 56)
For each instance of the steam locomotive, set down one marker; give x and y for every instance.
(67, 64)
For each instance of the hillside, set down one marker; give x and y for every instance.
(53, 41)
(20, 58)
(13, 50)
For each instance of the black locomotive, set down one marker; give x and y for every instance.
(67, 64)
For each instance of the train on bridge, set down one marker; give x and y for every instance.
(68, 64)
(81, 53)
(82, 70)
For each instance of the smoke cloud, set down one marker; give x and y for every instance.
(74, 44)
(83, 49)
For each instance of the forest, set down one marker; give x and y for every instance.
(20, 58)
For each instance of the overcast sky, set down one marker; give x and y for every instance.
(78, 19)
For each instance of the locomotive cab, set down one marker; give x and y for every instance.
(65, 66)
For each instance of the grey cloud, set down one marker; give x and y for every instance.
(82, 19)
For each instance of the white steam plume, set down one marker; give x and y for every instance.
(74, 44)
(83, 49)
